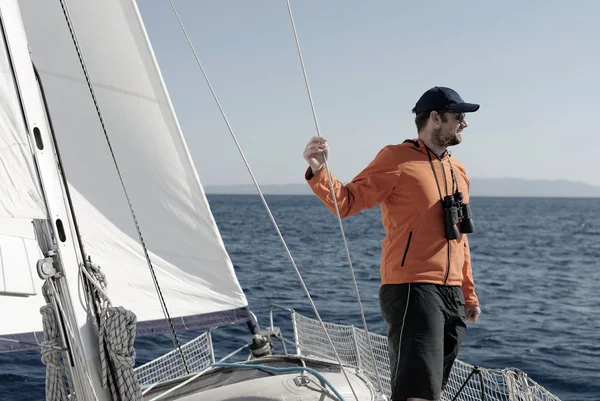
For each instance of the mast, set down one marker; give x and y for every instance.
(62, 245)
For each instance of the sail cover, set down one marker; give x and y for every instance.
(194, 271)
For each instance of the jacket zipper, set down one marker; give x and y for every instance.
(406, 249)
(447, 264)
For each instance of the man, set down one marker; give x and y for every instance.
(427, 289)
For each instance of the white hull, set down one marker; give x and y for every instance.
(229, 384)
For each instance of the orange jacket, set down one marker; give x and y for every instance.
(400, 179)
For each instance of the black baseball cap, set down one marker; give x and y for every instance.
(442, 98)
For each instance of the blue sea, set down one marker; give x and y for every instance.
(536, 265)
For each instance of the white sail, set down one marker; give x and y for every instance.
(19, 253)
(20, 193)
(194, 271)
(21, 319)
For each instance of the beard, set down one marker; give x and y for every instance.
(445, 138)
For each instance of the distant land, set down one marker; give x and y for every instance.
(497, 187)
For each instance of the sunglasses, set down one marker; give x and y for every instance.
(460, 117)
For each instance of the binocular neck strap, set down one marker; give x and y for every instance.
(454, 182)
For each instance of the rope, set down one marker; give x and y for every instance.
(337, 211)
(271, 217)
(282, 370)
(56, 388)
(299, 369)
(117, 334)
(137, 226)
(116, 339)
(116, 343)
(30, 344)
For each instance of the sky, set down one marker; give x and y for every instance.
(533, 66)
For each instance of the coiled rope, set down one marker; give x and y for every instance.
(116, 338)
(56, 388)
(116, 343)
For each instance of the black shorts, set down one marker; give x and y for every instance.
(426, 325)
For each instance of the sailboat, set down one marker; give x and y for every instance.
(106, 234)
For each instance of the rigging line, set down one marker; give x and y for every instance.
(36, 345)
(339, 217)
(272, 218)
(163, 304)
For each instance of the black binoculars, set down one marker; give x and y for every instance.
(456, 212)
